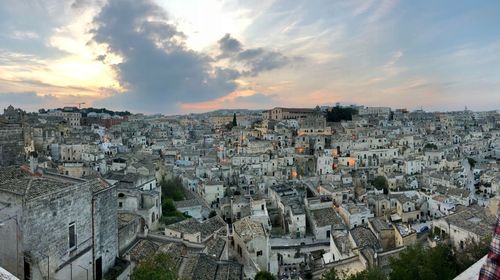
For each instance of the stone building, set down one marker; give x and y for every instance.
(11, 143)
(71, 117)
(251, 243)
(56, 226)
(354, 214)
(383, 231)
(404, 235)
(465, 224)
(195, 231)
(288, 113)
(138, 194)
(322, 218)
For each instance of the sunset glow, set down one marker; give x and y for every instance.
(255, 55)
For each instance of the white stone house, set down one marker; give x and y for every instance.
(251, 243)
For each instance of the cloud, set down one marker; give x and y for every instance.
(241, 99)
(258, 98)
(80, 4)
(158, 70)
(255, 60)
(24, 35)
(229, 45)
(395, 58)
(26, 100)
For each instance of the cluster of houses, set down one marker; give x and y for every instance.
(283, 190)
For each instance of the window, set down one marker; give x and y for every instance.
(27, 270)
(120, 204)
(259, 253)
(72, 236)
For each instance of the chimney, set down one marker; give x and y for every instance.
(33, 162)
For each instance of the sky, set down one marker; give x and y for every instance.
(181, 56)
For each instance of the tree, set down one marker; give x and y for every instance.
(337, 114)
(170, 214)
(472, 251)
(373, 273)
(417, 263)
(331, 274)
(264, 275)
(159, 266)
(308, 275)
(172, 189)
(235, 123)
(380, 183)
(168, 206)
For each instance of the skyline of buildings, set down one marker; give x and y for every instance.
(263, 139)
(88, 192)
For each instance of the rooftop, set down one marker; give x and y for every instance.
(404, 231)
(206, 228)
(356, 208)
(473, 218)
(187, 203)
(404, 197)
(215, 247)
(142, 250)
(379, 224)
(327, 216)
(364, 237)
(249, 228)
(201, 266)
(21, 182)
(342, 242)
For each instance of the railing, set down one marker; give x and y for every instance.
(472, 273)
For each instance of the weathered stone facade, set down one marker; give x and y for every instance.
(11, 144)
(48, 208)
(106, 227)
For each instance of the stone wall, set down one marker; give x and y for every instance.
(10, 234)
(45, 224)
(128, 233)
(11, 144)
(45, 229)
(106, 228)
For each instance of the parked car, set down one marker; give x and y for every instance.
(424, 229)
